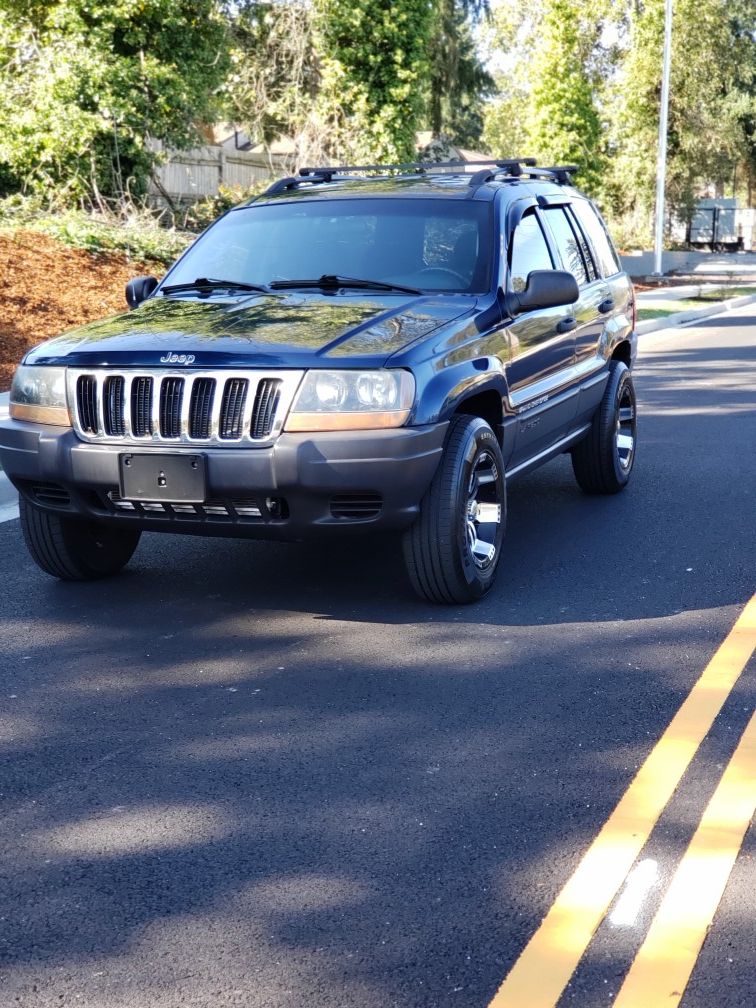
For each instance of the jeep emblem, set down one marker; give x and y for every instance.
(175, 358)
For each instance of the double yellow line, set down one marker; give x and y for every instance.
(665, 961)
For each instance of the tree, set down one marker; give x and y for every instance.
(373, 65)
(458, 81)
(550, 80)
(85, 83)
(275, 73)
(712, 102)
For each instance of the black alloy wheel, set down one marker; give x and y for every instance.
(452, 552)
(603, 460)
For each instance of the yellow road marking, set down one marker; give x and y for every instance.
(666, 958)
(549, 959)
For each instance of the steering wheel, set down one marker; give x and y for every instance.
(463, 281)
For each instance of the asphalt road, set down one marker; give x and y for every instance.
(263, 775)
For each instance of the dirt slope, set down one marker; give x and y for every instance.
(46, 288)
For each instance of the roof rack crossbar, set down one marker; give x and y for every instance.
(490, 170)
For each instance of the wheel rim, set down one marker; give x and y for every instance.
(483, 512)
(624, 432)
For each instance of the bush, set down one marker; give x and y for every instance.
(136, 232)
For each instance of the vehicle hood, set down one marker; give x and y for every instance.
(292, 329)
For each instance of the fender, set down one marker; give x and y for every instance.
(445, 388)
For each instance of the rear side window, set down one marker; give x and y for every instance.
(529, 252)
(568, 245)
(593, 226)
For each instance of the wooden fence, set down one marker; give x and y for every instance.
(189, 175)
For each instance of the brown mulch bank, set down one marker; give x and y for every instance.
(48, 287)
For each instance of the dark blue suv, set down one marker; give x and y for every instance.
(357, 349)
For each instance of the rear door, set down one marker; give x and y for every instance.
(595, 303)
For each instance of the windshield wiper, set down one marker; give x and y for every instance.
(330, 281)
(209, 284)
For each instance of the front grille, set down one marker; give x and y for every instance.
(356, 506)
(221, 408)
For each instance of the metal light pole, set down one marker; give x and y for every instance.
(661, 162)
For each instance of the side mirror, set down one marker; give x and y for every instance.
(139, 289)
(544, 289)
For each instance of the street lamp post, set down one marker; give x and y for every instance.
(661, 161)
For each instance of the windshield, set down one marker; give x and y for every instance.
(431, 244)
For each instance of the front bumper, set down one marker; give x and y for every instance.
(302, 485)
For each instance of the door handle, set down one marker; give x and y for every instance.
(606, 306)
(566, 325)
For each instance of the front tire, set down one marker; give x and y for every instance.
(603, 460)
(72, 549)
(452, 551)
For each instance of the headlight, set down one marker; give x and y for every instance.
(352, 400)
(39, 394)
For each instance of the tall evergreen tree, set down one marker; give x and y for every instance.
(458, 82)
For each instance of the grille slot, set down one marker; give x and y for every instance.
(171, 395)
(356, 506)
(264, 409)
(86, 403)
(232, 408)
(141, 406)
(200, 407)
(50, 494)
(115, 422)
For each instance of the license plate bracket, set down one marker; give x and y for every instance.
(178, 479)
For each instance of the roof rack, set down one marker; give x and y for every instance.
(523, 168)
(496, 169)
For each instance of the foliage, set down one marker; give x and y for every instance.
(274, 76)
(458, 81)
(84, 83)
(202, 213)
(712, 96)
(140, 236)
(549, 84)
(373, 68)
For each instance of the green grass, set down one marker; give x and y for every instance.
(664, 308)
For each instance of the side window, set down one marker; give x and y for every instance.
(529, 251)
(589, 257)
(597, 236)
(567, 243)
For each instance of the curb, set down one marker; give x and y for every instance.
(679, 318)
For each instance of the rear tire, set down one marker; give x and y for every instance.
(452, 551)
(603, 460)
(72, 549)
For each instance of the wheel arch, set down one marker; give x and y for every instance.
(623, 352)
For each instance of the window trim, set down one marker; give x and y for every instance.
(563, 209)
(613, 251)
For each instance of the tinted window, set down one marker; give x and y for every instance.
(597, 236)
(432, 244)
(529, 252)
(567, 243)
